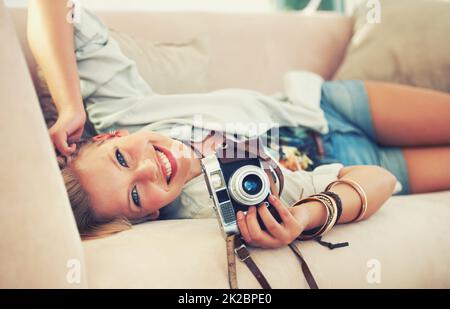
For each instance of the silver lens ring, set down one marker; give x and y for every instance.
(236, 188)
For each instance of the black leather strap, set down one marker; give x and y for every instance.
(306, 271)
(244, 255)
(235, 246)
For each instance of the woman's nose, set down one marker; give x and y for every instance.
(147, 170)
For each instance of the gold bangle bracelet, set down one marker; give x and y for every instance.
(333, 209)
(358, 189)
(327, 221)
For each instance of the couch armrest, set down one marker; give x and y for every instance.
(39, 244)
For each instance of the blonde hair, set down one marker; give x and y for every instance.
(88, 226)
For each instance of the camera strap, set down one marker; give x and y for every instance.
(235, 246)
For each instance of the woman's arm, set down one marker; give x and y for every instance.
(377, 182)
(51, 41)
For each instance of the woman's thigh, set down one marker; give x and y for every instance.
(409, 116)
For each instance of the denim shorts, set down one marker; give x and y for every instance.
(351, 139)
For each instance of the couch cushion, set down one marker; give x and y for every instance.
(404, 245)
(168, 67)
(409, 46)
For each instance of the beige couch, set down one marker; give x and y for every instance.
(404, 245)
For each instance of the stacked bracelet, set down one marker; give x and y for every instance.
(331, 204)
(338, 202)
(331, 219)
(333, 207)
(358, 189)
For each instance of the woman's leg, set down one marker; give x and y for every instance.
(428, 168)
(409, 116)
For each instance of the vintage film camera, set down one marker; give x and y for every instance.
(239, 175)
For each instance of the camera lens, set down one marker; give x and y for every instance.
(249, 185)
(252, 184)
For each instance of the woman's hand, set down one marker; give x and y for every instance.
(277, 234)
(51, 40)
(67, 129)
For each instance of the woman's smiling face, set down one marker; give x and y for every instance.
(134, 175)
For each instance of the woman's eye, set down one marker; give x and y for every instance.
(135, 197)
(121, 159)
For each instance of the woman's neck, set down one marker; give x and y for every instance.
(196, 167)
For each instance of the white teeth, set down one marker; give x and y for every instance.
(166, 163)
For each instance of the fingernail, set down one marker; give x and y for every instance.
(271, 198)
(240, 215)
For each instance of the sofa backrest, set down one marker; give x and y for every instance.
(39, 243)
(247, 50)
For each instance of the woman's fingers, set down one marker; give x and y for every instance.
(292, 225)
(60, 141)
(273, 226)
(257, 235)
(242, 224)
(277, 234)
(285, 215)
(75, 136)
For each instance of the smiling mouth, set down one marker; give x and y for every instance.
(167, 162)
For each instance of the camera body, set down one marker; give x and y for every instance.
(235, 184)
